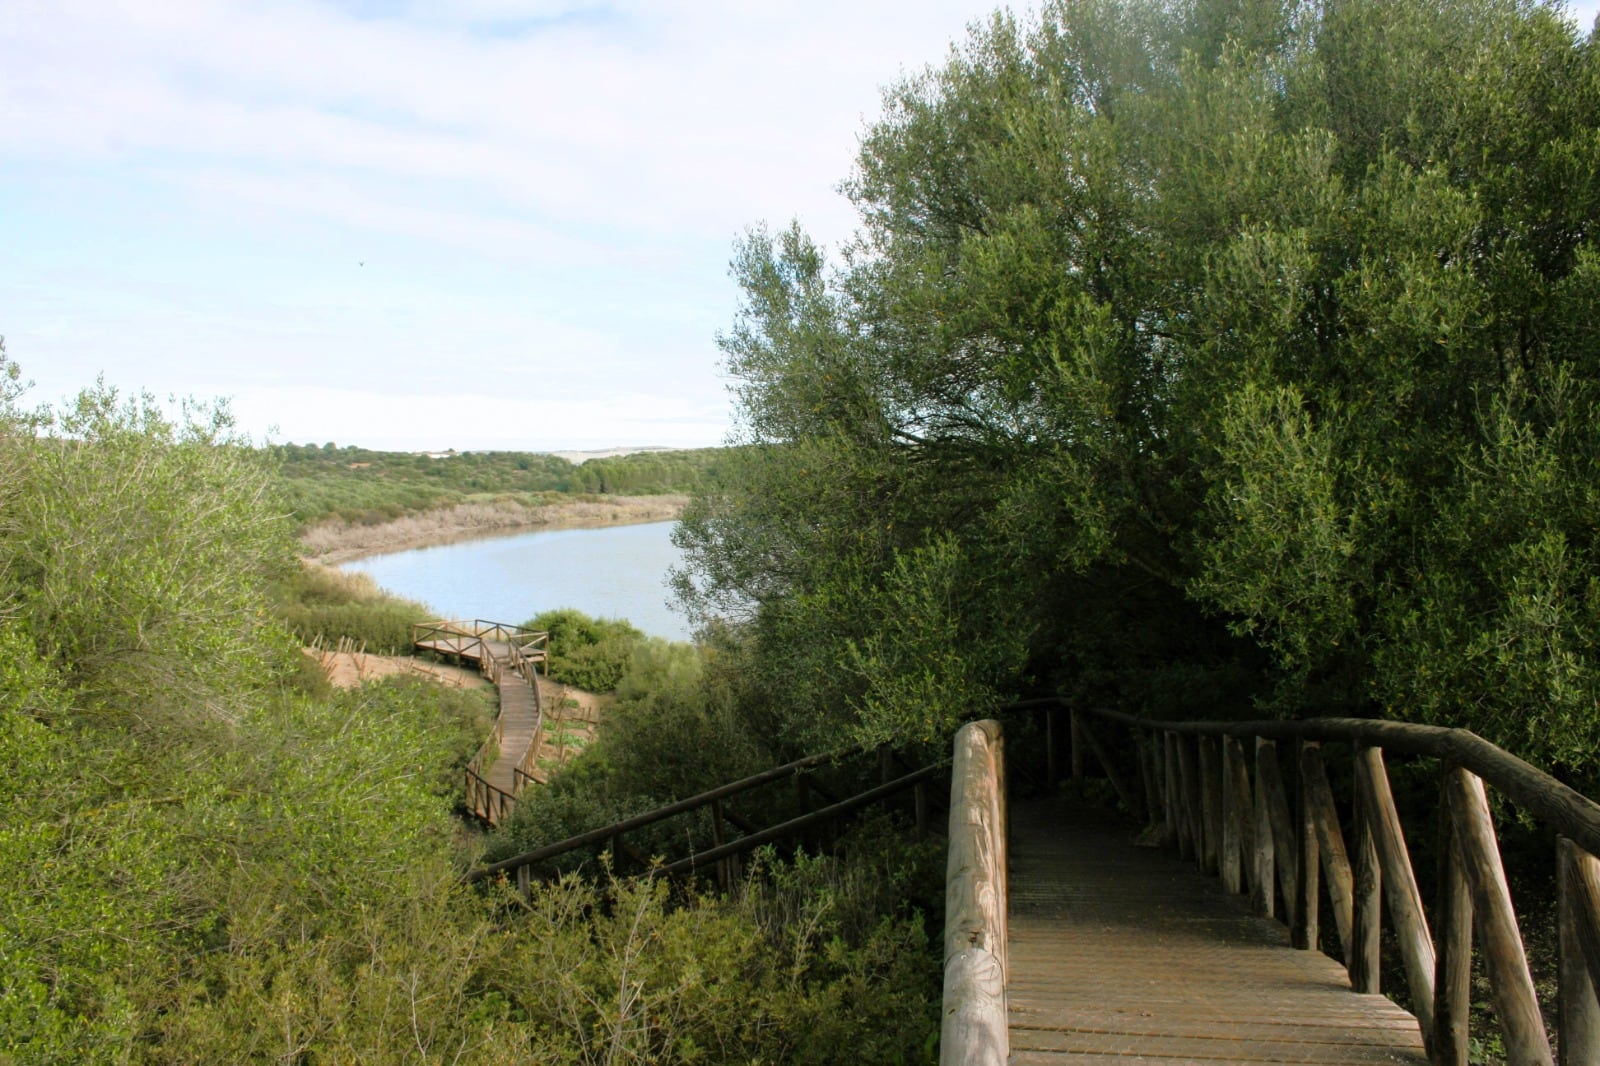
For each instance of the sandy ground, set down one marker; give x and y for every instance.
(571, 715)
(337, 541)
(348, 669)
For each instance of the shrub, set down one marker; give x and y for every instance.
(587, 653)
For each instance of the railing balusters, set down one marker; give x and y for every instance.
(1238, 804)
(1452, 993)
(1399, 883)
(1578, 918)
(1210, 805)
(1307, 930)
(1516, 1005)
(1367, 892)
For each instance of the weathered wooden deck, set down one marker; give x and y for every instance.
(1124, 954)
(510, 656)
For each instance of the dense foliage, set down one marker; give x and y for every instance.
(587, 653)
(1213, 357)
(366, 486)
(212, 857)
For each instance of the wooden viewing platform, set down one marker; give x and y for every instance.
(511, 657)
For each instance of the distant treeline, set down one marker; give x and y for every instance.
(361, 485)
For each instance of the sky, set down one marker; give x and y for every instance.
(425, 224)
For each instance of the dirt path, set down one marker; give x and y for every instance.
(348, 669)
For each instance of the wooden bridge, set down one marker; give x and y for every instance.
(511, 657)
(1067, 943)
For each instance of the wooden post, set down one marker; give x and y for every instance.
(1399, 883)
(1234, 852)
(1210, 805)
(1273, 821)
(1516, 1006)
(1367, 881)
(1578, 910)
(1050, 777)
(1452, 987)
(1171, 791)
(1076, 731)
(1330, 845)
(525, 881)
(1150, 774)
(1188, 798)
(1113, 772)
(718, 838)
(973, 1031)
(1307, 931)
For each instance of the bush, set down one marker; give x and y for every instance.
(587, 653)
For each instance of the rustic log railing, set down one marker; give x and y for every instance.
(1217, 791)
(528, 648)
(973, 1029)
(723, 856)
(485, 800)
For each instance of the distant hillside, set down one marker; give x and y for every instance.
(361, 485)
(578, 458)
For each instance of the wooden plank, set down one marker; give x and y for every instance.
(1516, 1005)
(1122, 954)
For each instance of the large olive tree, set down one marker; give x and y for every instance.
(1211, 356)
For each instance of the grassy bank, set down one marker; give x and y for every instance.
(335, 539)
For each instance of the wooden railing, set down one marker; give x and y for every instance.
(974, 1027)
(723, 855)
(1220, 793)
(487, 801)
(528, 647)
(496, 647)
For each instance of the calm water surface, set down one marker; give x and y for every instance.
(619, 572)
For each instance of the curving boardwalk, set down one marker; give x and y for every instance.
(1126, 955)
(510, 656)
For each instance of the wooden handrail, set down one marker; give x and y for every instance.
(724, 853)
(639, 821)
(1262, 847)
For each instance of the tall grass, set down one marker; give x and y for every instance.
(323, 605)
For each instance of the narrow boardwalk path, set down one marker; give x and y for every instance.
(510, 655)
(519, 722)
(1122, 954)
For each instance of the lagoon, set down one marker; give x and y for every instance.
(615, 572)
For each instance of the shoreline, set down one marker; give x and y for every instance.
(331, 543)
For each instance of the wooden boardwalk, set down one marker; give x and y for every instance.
(1123, 954)
(510, 657)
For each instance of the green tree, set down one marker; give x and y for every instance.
(1207, 356)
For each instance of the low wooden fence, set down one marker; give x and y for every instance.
(723, 856)
(1221, 793)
